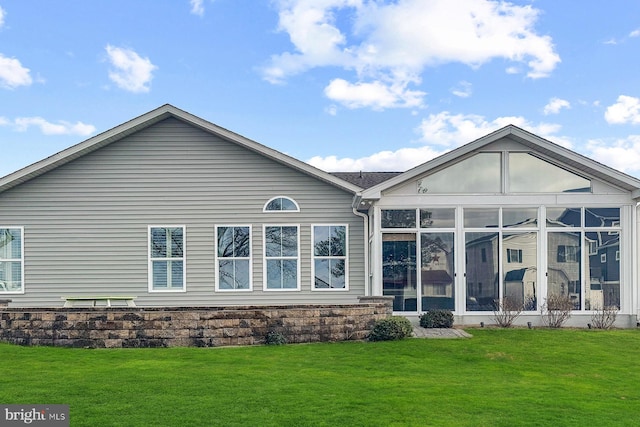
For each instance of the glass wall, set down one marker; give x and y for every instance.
(503, 249)
(437, 271)
(399, 276)
(584, 256)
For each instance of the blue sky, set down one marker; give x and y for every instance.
(345, 85)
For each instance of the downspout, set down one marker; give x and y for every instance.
(365, 218)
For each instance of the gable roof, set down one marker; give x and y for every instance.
(567, 157)
(365, 179)
(144, 121)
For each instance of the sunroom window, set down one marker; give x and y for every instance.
(482, 173)
(11, 260)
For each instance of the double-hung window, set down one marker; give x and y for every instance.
(233, 266)
(330, 257)
(11, 259)
(166, 258)
(281, 255)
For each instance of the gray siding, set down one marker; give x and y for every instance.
(86, 223)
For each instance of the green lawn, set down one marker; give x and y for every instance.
(498, 378)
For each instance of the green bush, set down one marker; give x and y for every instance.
(275, 338)
(391, 328)
(438, 318)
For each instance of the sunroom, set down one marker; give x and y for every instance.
(510, 216)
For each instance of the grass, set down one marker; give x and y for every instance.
(501, 377)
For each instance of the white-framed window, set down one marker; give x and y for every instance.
(330, 265)
(167, 270)
(233, 258)
(11, 259)
(281, 204)
(281, 257)
(514, 256)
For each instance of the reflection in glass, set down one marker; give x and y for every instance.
(398, 218)
(481, 251)
(519, 217)
(281, 204)
(281, 251)
(477, 174)
(603, 289)
(481, 218)
(437, 271)
(520, 268)
(530, 174)
(437, 218)
(329, 250)
(329, 273)
(564, 217)
(234, 274)
(10, 259)
(602, 217)
(564, 265)
(399, 270)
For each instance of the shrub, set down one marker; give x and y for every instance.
(275, 338)
(391, 328)
(506, 311)
(438, 318)
(556, 310)
(605, 317)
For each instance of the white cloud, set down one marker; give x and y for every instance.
(396, 161)
(22, 124)
(453, 130)
(197, 7)
(462, 90)
(555, 105)
(13, 74)
(2, 15)
(626, 110)
(635, 33)
(392, 44)
(622, 154)
(440, 133)
(375, 95)
(130, 71)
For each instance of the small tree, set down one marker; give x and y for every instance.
(556, 310)
(506, 311)
(605, 317)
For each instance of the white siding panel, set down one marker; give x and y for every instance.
(86, 223)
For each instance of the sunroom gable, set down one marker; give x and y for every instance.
(482, 166)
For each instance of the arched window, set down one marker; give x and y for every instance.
(281, 203)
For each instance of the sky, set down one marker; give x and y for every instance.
(345, 85)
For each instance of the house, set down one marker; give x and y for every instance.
(177, 211)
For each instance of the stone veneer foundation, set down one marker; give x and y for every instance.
(189, 326)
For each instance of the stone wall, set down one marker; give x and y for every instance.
(188, 327)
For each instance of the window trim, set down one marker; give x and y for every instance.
(265, 210)
(265, 259)
(20, 260)
(183, 259)
(217, 258)
(345, 257)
